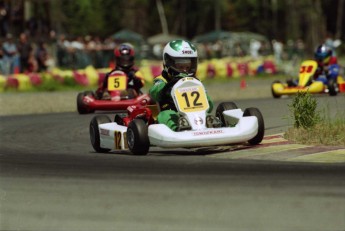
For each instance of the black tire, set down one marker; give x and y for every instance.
(90, 93)
(273, 93)
(94, 132)
(81, 107)
(137, 137)
(333, 87)
(261, 130)
(119, 120)
(223, 107)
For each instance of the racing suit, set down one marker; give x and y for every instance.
(135, 81)
(160, 92)
(325, 72)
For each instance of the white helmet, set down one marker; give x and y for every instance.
(180, 56)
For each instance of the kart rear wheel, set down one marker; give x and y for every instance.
(94, 132)
(273, 93)
(137, 137)
(333, 87)
(261, 125)
(224, 107)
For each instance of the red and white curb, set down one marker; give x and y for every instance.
(276, 148)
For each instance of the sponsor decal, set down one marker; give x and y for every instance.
(198, 121)
(88, 99)
(187, 89)
(104, 132)
(117, 140)
(131, 108)
(205, 133)
(188, 52)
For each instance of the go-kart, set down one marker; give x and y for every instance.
(306, 83)
(140, 130)
(120, 97)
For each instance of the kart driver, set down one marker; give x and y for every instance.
(327, 66)
(124, 59)
(180, 59)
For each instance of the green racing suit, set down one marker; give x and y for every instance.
(160, 92)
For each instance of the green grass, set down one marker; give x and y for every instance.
(314, 127)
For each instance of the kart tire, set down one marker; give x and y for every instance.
(81, 107)
(92, 95)
(333, 87)
(137, 137)
(119, 120)
(273, 93)
(94, 132)
(224, 106)
(261, 125)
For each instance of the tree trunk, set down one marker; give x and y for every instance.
(339, 31)
(162, 17)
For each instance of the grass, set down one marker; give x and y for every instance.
(314, 127)
(324, 133)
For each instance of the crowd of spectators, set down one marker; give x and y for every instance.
(23, 54)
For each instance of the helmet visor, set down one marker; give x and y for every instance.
(183, 65)
(125, 61)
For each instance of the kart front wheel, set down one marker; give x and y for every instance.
(261, 125)
(94, 132)
(224, 107)
(137, 137)
(81, 107)
(276, 96)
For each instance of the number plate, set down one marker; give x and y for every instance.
(191, 99)
(117, 83)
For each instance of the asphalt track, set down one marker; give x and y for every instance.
(51, 179)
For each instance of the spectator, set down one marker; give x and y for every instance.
(32, 65)
(11, 56)
(2, 62)
(4, 19)
(42, 56)
(24, 49)
(254, 48)
(278, 50)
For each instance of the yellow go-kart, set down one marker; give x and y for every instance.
(306, 83)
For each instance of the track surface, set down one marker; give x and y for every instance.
(51, 179)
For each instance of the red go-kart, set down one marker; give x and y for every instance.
(119, 97)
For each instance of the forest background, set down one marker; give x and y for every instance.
(309, 20)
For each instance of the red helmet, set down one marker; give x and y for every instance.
(124, 55)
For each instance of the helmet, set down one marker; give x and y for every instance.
(180, 56)
(323, 54)
(124, 55)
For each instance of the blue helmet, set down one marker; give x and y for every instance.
(323, 54)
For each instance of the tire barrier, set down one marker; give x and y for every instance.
(89, 76)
